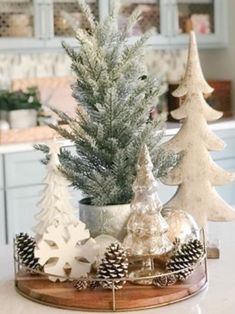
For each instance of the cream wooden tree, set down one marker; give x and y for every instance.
(55, 204)
(197, 173)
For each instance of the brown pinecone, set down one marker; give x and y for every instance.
(80, 284)
(25, 246)
(164, 281)
(94, 284)
(113, 265)
(185, 259)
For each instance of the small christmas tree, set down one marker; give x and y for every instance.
(146, 228)
(56, 208)
(197, 173)
(115, 95)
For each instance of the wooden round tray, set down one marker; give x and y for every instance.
(131, 297)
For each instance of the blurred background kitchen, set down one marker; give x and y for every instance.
(35, 71)
(35, 74)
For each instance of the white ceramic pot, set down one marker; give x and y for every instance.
(22, 118)
(110, 219)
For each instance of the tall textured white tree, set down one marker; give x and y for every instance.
(55, 204)
(197, 173)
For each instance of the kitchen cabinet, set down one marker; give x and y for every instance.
(22, 183)
(208, 18)
(1, 172)
(2, 219)
(24, 169)
(2, 205)
(43, 23)
(171, 20)
(22, 24)
(21, 208)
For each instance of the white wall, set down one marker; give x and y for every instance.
(220, 63)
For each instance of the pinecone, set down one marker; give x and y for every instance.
(80, 284)
(113, 265)
(164, 281)
(94, 284)
(25, 251)
(186, 257)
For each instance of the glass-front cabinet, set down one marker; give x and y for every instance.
(66, 16)
(20, 25)
(16, 19)
(196, 15)
(34, 24)
(206, 17)
(62, 26)
(153, 13)
(150, 20)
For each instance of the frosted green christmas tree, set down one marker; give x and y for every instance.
(114, 94)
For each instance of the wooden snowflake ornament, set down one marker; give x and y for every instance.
(66, 257)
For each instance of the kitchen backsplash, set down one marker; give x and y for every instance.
(168, 64)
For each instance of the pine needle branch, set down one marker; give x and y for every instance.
(85, 9)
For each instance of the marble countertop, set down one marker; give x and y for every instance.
(172, 129)
(218, 298)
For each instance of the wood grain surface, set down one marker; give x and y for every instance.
(63, 295)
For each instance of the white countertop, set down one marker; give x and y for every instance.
(172, 128)
(219, 298)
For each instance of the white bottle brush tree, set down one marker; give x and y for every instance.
(197, 173)
(115, 95)
(55, 204)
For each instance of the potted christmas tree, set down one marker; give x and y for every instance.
(114, 94)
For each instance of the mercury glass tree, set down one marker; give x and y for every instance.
(146, 228)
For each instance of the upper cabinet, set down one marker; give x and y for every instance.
(33, 24)
(153, 19)
(21, 24)
(206, 17)
(63, 14)
(171, 20)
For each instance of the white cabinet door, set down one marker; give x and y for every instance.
(22, 207)
(21, 25)
(1, 172)
(60, 28)
(2, 219)
(207, 18)
(24, 169)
